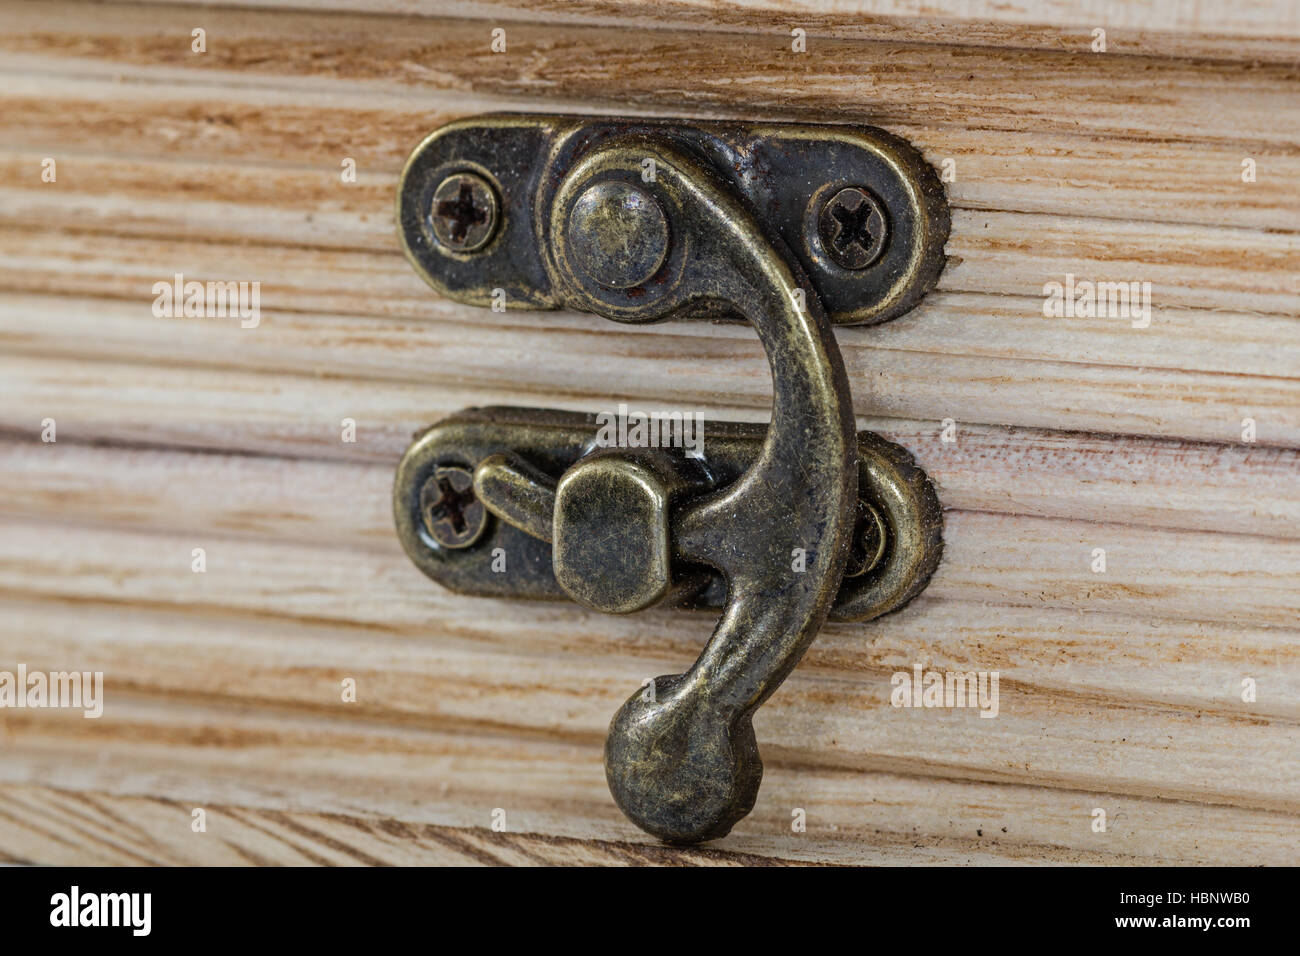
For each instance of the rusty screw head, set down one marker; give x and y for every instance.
(464, 212)
(870, 537)
(452, 515)
(853, 228)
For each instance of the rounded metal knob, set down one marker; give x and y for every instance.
(618, 234)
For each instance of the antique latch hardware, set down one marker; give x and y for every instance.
(790, 227)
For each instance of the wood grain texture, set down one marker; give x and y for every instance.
(372, 363)
(1240, 488)
(1243, 489)
(835, 711)
(1175, 576)
(1029, 210)
(871, 81)
(68, 828)
(1189, 266)
(1260, 29)
(208, 754)
(1120, 691)
(266, 140)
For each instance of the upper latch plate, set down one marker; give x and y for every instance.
(859, 208)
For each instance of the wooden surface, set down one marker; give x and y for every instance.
(1119, 691)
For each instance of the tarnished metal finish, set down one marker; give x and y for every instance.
(517, 493)
(523, 452)
(684, 764)
(853, 228)
(451, 512)
(618, 234)
(901, 494)
(787, 172)
(612, 544)
(869, 543)
(641, 222)
(463, 212)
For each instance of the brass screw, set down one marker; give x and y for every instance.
(870, 539)
(464, 212)
(853, 228)
(452, 515)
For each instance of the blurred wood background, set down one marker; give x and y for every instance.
(1120, 691)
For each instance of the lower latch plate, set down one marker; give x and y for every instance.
(897, 543)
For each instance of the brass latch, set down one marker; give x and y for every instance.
(790, 227)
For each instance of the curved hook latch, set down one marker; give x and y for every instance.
(778, 527)
(684, 764)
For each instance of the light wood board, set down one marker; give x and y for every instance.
(1121, 691)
